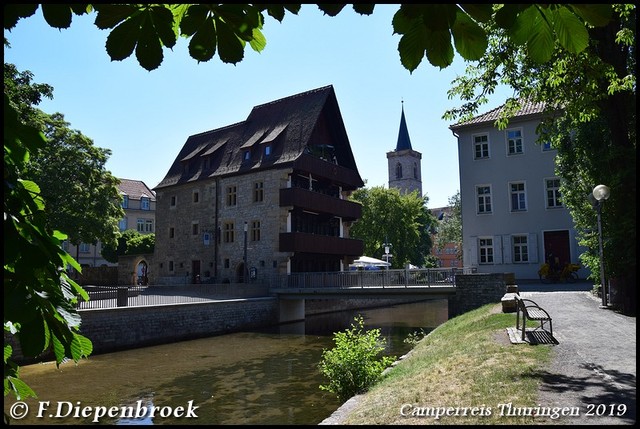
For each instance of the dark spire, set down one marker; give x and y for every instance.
(404, 142)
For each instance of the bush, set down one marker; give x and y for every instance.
(354, 364)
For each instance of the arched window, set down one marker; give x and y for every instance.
(398, 171)
(415, 170)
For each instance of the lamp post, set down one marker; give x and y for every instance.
(601, 193)
(245, 252)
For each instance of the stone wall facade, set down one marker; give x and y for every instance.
(475, 290)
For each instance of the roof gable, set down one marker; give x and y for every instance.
(528, 109)
(290, 125)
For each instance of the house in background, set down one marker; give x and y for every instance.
(139, 204)
(512, 210)
(447, 256)
(265, 196)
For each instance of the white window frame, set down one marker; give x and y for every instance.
(552, 193)
(486, 200)
(515, 142)
(145, 203)
(140, 225)
(484, 146)
(520, 194)
(520, 248)
(486, 251)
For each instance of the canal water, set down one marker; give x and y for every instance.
(266, 376)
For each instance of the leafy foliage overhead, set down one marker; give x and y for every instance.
(426, 30)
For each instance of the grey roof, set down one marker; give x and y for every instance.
(528, 109)
(135, 189)
(290, 125)
(404, 142)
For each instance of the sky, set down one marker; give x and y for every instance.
(144, 118)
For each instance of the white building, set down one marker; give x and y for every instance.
(512, 211)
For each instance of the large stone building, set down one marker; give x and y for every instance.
(264, 196)
(512, 210)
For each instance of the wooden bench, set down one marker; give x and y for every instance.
(529, 310)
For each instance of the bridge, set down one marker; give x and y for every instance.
(292, 289)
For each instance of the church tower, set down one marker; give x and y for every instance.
(404, 163)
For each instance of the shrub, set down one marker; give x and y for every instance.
(354, 364)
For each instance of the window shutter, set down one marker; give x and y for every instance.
(533, 248)
(506, 248)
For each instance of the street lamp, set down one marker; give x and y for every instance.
(601, 193)
(245, 251)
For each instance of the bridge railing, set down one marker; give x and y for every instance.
(425, 277)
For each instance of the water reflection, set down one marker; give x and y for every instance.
(267, 376)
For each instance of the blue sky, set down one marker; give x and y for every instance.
(144, 117)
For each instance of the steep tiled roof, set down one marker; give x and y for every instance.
(135, 189)
(528, 109)
(287, 123)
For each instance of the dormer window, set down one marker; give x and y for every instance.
(125, 201)
(144, 203)
(267, 150)
(246, 156)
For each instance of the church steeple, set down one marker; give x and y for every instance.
(404, 162)
(404, 142)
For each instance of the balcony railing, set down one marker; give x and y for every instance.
(314, 243)
(319, 203)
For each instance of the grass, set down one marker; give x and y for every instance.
(466, 364)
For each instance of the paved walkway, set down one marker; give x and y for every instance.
(594, 364)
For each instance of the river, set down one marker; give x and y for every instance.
(266, 376)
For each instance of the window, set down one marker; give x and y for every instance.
(552, 187)
(255, 230)
(196, 196)
(415, 170)
(144, 203)
(226, 263)
(481, 146)
(65, 246)
(194, 228)
(125, 201)
(246, 156)
(267, 150)
(258, 192)
(546, 146)
(172, 232)
(518, 197)
(148, 225)
(486, 250)
(122, 224)
(484, 199)
(398, 171)
(170, 265)
(85, 248)
(520, 249)
(231, 196)
(174, 200)
(514, 142)
(140, 225)
(229, 232)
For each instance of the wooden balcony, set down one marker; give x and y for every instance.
(314, 243)
(347, 178)
(320, 203)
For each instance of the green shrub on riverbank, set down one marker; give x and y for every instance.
(354, 364)
(467, 364)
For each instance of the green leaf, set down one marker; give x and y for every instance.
(202, 45)
(149, 49)
(123, 39)
(33, 338)
(81, 347)
(57, 15)
(541, 43)
(597, 15)
(258, 42)
(110, 15)
(523, 25)
(162, 19)
(8, 350)
(571, 32)
(363, 9)
(469, 38)
(21, 389)
(479, 11)
(331, 9)
(230, 48)
(14, 12)
(411, 46)
(194, 18)
(439, 49)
